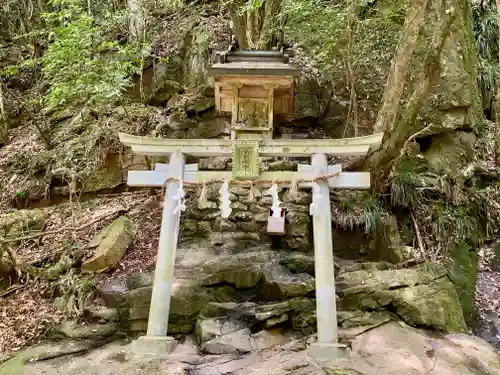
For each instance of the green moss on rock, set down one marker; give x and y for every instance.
(434, 305)
(422, 296)
(21, 221)
(462, 266)
(111, 244)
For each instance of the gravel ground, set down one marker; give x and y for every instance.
(488, 295)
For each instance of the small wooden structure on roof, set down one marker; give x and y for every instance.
(253, 86)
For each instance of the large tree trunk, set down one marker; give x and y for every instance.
(395, 139)
(387, 115)
(4, 126)
(497, 97)
(136, 25)
(254, 29)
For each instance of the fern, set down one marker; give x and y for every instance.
(406, 182)
(374, 214)
(486, 38)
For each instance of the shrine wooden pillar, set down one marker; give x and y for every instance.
(270, 108)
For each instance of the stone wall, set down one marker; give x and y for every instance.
(247, 223)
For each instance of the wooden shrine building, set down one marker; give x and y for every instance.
(254, 86)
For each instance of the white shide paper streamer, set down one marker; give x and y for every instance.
(273, 192)
(225, 203)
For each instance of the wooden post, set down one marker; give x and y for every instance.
(156, 340)
(235, 108)
(327, 348)
(270, 111)
(218, 102)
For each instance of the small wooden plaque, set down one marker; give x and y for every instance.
(245, 159)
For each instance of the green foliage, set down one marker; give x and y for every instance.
(485, 203)
(374, 214)
(321, 28)
(407, 181)
(251, 5)
(486, 35)
(81, 65)
(349, 213)
(453, 223)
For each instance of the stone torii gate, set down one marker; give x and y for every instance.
(253, 87)
(327, 347)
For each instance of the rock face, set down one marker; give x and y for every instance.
(110, 245)
(390, 349)
(256, 275)
(423, 296)
(259, 288)
(74, 330)
(223, 336)
(396, 348)
(449, 153)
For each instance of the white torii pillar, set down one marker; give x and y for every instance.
(327, 347)
(156, 341)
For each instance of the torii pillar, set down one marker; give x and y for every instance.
(156, 340)
(327, 347)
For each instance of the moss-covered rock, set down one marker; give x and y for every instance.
(188, 298)
(462, 268)
(423, 296)
(108, 175)
(280, 284)
(21, 221)
(385, 244)
(356, 318)
(242, 270)
(200, 105)
(449, 152)
(73, 330)
(209, 328)
(111, 244)
(434, 305)
(299, 311)
(299, 263)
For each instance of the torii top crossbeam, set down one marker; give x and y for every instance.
(266, 147)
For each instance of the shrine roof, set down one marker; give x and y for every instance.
(254, 68)
(257, 63)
